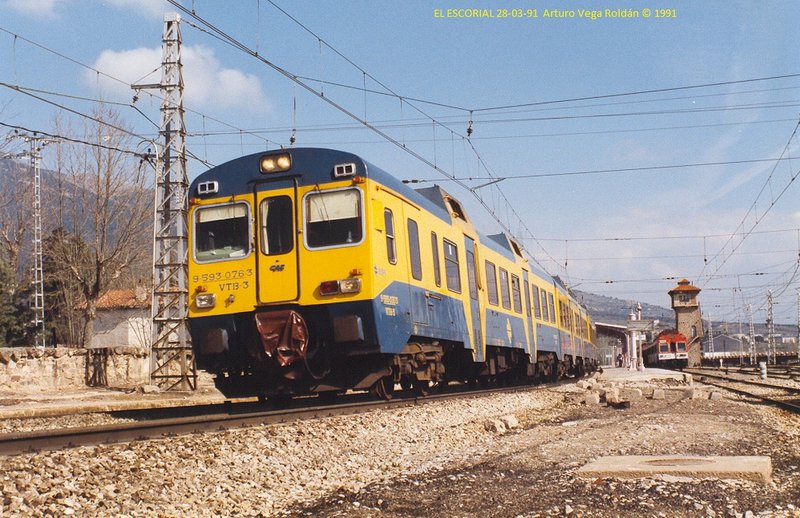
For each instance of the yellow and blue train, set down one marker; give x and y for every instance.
(314, 271)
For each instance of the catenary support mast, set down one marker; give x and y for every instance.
(37, 143)
(172, 365)
(753, 352)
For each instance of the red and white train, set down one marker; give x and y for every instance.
(668, 350)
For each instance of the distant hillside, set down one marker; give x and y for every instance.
(610, 310)
(16, 184)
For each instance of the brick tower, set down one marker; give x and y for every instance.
(687, 317)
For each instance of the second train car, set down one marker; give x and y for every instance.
(314, 271)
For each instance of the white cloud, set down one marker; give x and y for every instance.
(44, 8)
(151, 8)
(206, 81)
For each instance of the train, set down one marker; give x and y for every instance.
(668, 350)
(313, 271)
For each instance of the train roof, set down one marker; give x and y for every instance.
(310, 166)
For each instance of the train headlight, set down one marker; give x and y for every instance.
(276, 163)
(206, 300)
(350, 285)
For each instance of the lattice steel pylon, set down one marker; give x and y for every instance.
(37, 143)
(770, 330)
(172, 365)
(752, 331)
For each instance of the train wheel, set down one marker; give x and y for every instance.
(555, 372)
(406, 383)
(421, 387)
(383, 388)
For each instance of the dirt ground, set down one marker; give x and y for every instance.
(531, 471)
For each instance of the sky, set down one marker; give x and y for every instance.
(623, 152)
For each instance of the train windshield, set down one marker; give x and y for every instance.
(663, 347)
(333, 218)
(221, 232)
(682, 347)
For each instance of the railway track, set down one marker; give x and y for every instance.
(769, 392)
(787, 372)
(150, 428)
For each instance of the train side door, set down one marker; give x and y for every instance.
(474, 304)
(422, 301)
(528, 311)
(277, 257)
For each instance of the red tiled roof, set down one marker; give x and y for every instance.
(684, 285)
(124, 299)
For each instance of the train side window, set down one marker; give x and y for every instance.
(277, 225)
(515, 293)
(333, 218)
(505, 295)
(527, 289)
(491, 283)
(537, 309)
(437, 269)
(221, 232)
(391, 246)
(452, 271)
(552, 306)
(545, 314)
(413, 250)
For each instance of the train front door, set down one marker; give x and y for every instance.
(277, 258)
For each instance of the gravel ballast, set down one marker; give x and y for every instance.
(437, 459)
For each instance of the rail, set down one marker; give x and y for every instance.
(30, 442)
(726, 381)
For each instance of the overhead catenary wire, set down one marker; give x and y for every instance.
(91, 117)
(607, 171)
(223, 36)
(74, 140)
(786, 149)
(126, 84)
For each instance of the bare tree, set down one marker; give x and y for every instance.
(16, 213)
(16, 209)
(105, 204)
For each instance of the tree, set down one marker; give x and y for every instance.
(62, 294)
(13, 314)
(16, 209)
(16, 213)
(103, 198)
